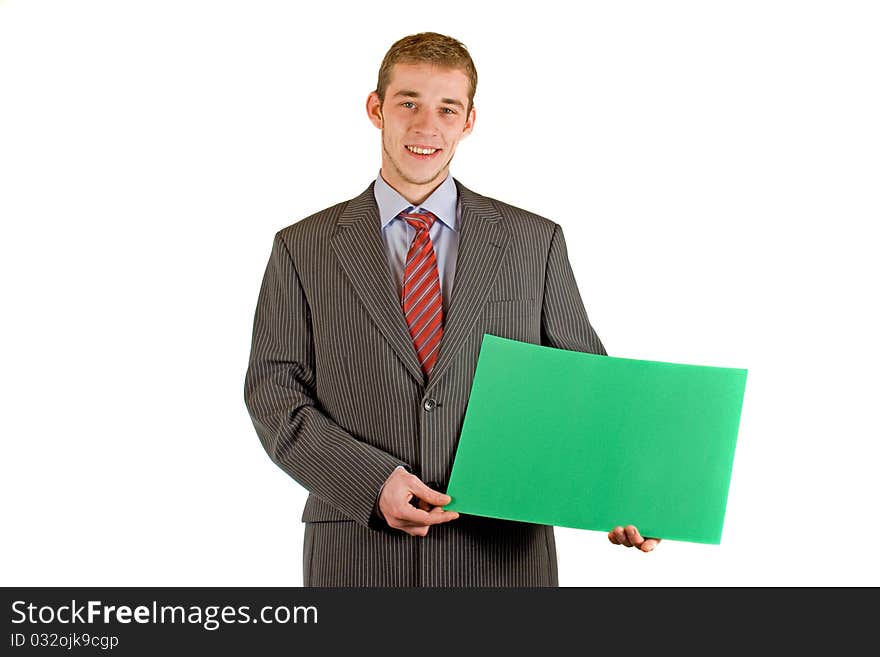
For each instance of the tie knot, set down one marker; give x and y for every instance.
(421, 220)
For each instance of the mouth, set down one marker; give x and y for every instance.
(422, 152)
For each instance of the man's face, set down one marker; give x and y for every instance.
(425, 108)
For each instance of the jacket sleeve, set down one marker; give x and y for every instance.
(564, 321)
(279, 393)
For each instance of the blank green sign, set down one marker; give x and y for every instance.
(571, 439)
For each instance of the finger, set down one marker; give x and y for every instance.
(449, 515)
(419, 529)
(417, 517)
(424, 506)
(439, 516)
(613, 536)
(429, 495)
(620, 535)
(649, 544)
(633, 535)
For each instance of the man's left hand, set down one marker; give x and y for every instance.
(630, 537)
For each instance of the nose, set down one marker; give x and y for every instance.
(424, 123)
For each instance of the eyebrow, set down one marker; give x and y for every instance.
(408, 93)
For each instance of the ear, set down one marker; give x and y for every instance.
(374, 109)
(469, 124)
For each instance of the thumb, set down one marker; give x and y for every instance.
(430, 495)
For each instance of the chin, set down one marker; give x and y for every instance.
(425, 180)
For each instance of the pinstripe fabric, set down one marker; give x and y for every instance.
(330, 351)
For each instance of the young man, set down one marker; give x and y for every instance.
(366, 337)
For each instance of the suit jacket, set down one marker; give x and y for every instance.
(338, 399)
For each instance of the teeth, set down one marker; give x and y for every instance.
(422, 151)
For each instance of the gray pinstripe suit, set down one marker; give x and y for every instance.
(338, 399)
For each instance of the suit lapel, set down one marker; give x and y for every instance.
(482, 245)
(357, 244)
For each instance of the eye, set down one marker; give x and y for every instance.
(408, 102)
(449, 110)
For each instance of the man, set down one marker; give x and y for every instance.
(366, 337)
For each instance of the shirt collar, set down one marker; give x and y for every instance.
(442, 202)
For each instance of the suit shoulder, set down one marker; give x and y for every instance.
(314, 225)
(522, 218)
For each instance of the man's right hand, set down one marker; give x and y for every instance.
(395, 504)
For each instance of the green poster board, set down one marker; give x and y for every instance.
(566, 438)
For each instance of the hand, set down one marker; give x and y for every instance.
(396, 504)
(630, 537)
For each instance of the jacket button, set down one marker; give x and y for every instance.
(430, 405)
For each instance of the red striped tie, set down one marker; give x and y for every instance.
(421, 298)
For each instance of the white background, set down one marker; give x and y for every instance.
(715, 167)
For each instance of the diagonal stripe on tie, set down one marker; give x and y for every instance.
(421, 298)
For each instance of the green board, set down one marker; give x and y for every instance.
(566, 438)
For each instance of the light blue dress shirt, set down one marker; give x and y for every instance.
(397, 234)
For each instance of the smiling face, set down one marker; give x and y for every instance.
(423, 118)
